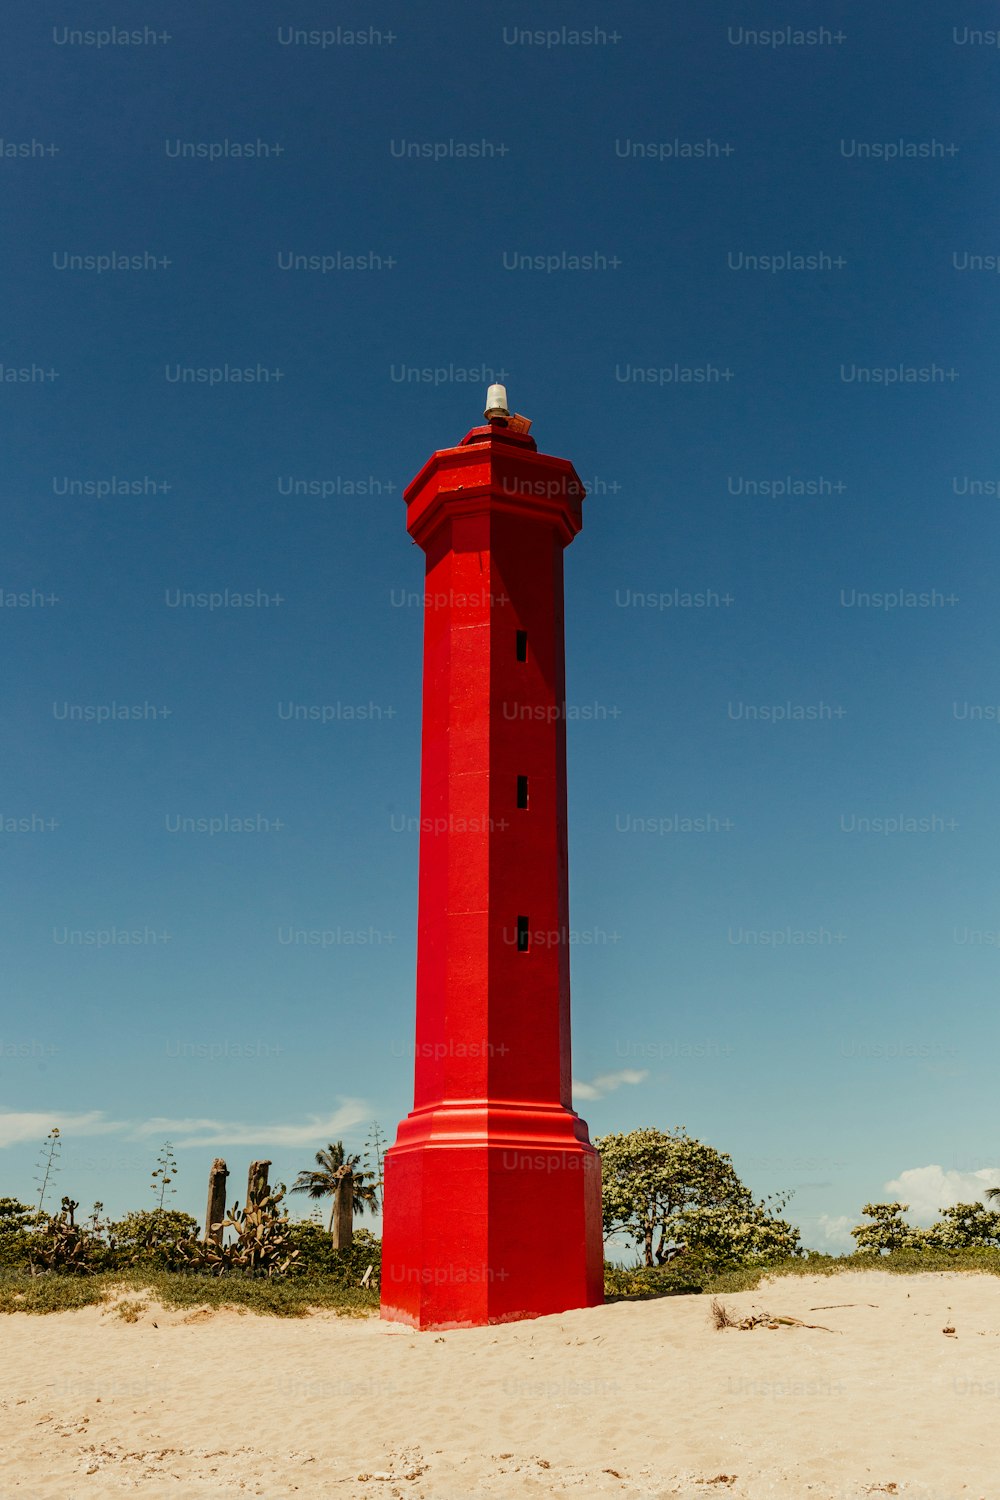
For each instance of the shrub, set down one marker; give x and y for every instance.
(680, 1277)
(346, 1267)
(17, 1221)
(152, 1237)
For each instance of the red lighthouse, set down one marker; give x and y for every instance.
(492, 1191)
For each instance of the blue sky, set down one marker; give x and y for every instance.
(781, 615)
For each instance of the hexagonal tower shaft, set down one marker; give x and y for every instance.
(492, 1204)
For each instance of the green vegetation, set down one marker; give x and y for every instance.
(153, 1237)
(639, 1282)
(697, 1227)
(331, 1165)
(17, 1221)
(130, 1309)
(261, 1244)
(965, 1226)
(266, 1263)
(295, 1296)
(290, 1298)
(22, 1292)
(686, 1195)
(700, 1230)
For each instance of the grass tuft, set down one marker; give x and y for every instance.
(130, 1310)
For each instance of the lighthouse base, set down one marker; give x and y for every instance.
(492, 1213)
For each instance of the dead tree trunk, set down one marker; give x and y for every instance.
(343, 1211)
(216, 1211)
(257, 1182)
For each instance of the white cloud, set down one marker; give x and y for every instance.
(605, 1082)
(35, 1125)
(834, 1232)
(317, 1129)
(929, 1189)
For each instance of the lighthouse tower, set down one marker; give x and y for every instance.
(492, 1206)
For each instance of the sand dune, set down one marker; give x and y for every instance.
(633, 1399)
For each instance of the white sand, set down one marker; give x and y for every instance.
(633, 1399)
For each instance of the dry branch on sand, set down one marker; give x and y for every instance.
(723, 1318)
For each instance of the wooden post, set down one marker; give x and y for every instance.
(216, 1211)
(343, 1211)
(257, 1182)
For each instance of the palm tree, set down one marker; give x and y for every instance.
(321, 1181)
(993, 1192)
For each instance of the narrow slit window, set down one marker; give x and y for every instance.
(522, 934)
(522, 645)
(522, 791)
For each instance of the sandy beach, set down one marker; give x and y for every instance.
(632, 1399)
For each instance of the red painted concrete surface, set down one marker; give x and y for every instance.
(492, 1206)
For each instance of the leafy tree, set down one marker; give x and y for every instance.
(17, 1220)
(891, 1232)
(968, 1226)
(15, 1215)
(888, 1231)
(331, 1165)
(687, 1193)
(964, 1226)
